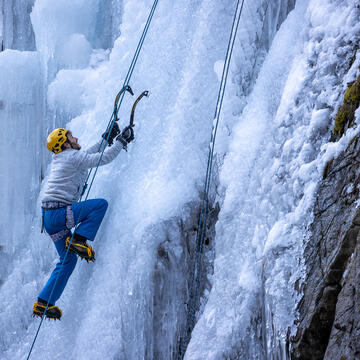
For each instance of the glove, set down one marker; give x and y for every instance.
(128, 134)
(114, 132)
(123, 141)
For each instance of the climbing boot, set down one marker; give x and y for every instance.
(52, 312)
(80, 247)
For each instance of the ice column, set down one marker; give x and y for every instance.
(21, 112)
(17, 29)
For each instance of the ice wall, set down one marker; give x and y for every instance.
(22, 164)
(127, 304)
(16, 26)
(260, 20)
(232, 324)
(270, 176)
(153, 190)
(1, 27)
(110, 304)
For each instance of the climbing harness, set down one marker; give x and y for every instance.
(53, 205)
(49, 205)
(69, 218)
(110, 126)
(196, 269)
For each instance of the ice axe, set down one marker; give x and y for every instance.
(144, 93)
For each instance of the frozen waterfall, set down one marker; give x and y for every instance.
(63, 63)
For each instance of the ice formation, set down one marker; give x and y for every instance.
(63, 64)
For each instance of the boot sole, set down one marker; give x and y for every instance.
(39, 312)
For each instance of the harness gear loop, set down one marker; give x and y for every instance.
(42, 219)
(69, 218)
(49, 205)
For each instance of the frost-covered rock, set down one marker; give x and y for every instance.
(329, 320)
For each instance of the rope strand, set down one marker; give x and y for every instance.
(196, 270)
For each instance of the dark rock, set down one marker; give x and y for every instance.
(173, 277)
(344, 339)
(329, 321)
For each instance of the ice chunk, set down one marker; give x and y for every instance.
(66, 92)
(319, 123)
(75, 52)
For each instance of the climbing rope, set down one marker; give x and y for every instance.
(196, 270)
(113, 118)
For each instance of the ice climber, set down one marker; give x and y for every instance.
(62, 212)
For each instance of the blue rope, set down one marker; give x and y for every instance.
(109, 127)
(196, 270)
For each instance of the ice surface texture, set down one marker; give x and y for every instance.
(270, 174)
(110, 302)
(283, 88)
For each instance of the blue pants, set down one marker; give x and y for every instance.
(89, 215)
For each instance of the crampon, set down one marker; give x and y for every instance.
(80, 248)
(52, 312)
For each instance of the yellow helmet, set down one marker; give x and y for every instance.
(55, 140)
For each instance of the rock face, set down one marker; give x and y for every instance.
(173, 274)
(345, 333)
(329, 323)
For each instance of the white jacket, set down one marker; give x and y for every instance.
(69, 170)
